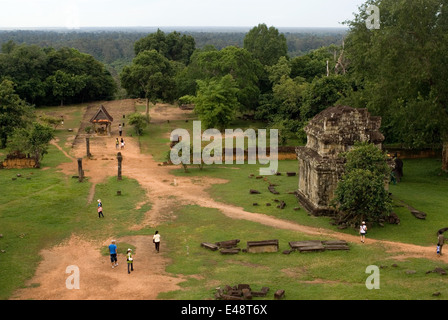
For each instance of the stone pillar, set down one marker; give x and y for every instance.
(120, 159)
(88, 147)
(445, 156)
(80, 171)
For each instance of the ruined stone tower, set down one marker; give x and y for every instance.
(329, 133)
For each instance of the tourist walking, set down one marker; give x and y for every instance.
(363, 231)
(440, 242)
(120, 129)
(122, 143)
(130, 261)
(100, 209)
(113, 254)
(156, 241)
(117, 144)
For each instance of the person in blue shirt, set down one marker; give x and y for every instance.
(113, 254)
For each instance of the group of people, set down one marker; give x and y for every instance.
(113, 251)
(440, 237)
(119, 144)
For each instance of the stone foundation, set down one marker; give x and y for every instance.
(19, 163)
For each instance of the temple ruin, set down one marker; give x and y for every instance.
(329, 133)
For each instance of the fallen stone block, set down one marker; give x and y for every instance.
(279, 294)
(272, 190)
(247, 294)
(229, 297)
(282, 205)
(262, 246)
(209, 246)
(228, 243)
(230, 251)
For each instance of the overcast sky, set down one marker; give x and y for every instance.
(163, 13)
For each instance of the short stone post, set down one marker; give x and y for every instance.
(80, 171)
(88, 147)
(120, 159)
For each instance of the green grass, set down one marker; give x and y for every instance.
(72, 116)
(41, 211)
(327, 275)
(422, 187)
(41, 208)
(48, 208)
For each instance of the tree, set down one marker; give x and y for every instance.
(174, 46)
(151, 76)
(31, 140)
(314, 64)
(398, 70)
(47, 76)
(64, 85)
(216, 102)
(139, 122)
(14, 112)
(27, 67)
(361, 194)
(239, 63)
(322, 93)
(266, 44)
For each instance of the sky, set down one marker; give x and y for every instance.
(74, 14)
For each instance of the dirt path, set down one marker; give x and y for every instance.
(165, 192)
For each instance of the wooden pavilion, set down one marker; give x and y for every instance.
(102, 121)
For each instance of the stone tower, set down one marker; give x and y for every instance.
(329, 133)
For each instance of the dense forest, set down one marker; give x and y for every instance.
(115, 48)
(281, 78)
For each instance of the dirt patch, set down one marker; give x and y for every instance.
(97, 278)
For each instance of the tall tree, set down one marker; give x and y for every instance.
(216, 102)
(174, 46)
(266, 44)
(361, 194)
(151, 76)
(33, 140)
(398, 69)
(237, 62)
(14, 112)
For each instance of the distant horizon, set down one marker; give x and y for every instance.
(170, 28)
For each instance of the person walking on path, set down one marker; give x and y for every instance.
(440, 242)
(100, 209)
(130, 261)
(122, 143)
(113, 254)
(363, 231)
(156, 241)
(120, 129)
(117, 144)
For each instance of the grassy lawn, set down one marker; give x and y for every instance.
(43, 207)
(326, 275)
(422, 187)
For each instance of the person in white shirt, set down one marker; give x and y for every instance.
(363, 231)
(156, 240)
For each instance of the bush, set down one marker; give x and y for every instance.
(139, 122)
